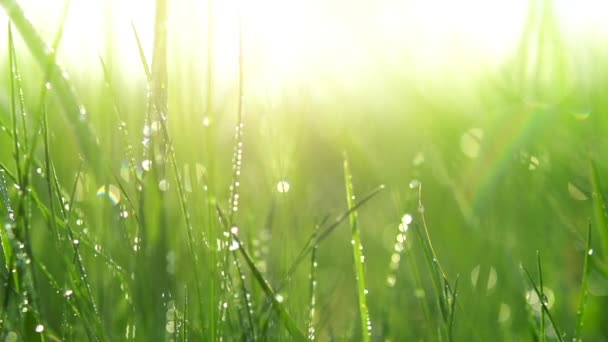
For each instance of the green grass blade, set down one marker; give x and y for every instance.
(542, 298)
(543, 304)
(580, 312)
(366, 325)
(313, 295)
(599, 207)
(286, 319)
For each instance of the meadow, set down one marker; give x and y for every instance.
(165, 189)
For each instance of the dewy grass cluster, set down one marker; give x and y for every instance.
(167, 210)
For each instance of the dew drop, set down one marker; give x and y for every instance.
(163, 185)
(279, 298)
(391, 280)
(283, 186)
(68, 293)
(39, 328)
(414, 183)
(146, 165)
(234, 245)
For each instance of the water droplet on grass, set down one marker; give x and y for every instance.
(234, 245)
(534, 302)
(283, 186)
(279, 298)
(39, 328)
(391, 280)
(68, 293)
(83, 112)
(163, 185)
(146, 164)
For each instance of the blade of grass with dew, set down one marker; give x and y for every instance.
(366, 325)
(248, 308)
(541, 297)
(543, 303)
(286, 319)
(438, 277)
(43, 55)
(157, 79)
(318, 236)
(184, 322)
(599, 207)
(313, 294)
(80, 280)
(22, 218)
(453, 297)
(123, 129)
(582, 303)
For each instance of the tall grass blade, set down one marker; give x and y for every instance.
(313, 295)
(543, 304)
(366, 325)
(542, 298)
(599, 207)
(582, 303)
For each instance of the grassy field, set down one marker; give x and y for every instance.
(181, 201)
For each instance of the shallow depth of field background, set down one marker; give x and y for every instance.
(490, 110)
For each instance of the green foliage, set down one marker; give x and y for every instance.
(146, 211)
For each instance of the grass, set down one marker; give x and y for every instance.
(171, 209)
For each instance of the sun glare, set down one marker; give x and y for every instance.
(285, 41)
